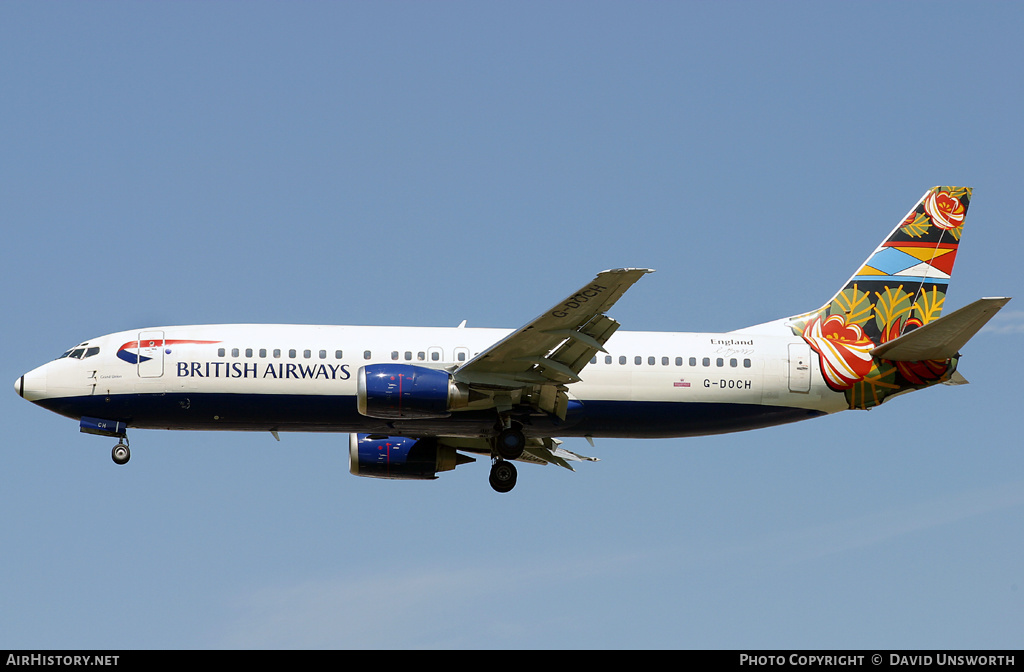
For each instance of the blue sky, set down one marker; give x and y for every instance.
(424, 163)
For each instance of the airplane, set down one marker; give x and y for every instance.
(420, 401)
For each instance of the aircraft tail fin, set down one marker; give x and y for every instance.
(902, 285)
(872, 338)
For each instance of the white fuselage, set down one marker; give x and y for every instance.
(303, 378)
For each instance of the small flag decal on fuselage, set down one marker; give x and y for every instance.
(681, 383)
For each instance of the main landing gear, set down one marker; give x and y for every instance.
(508, 445)
(510, 442)
(120, 454)
(503, 475)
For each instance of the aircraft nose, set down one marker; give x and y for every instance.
(32, 385)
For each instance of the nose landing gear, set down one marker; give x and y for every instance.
(120, 454)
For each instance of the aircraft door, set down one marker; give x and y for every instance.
(799, 367)
(151, 354)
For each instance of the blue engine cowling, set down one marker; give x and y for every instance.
(400, 457)
(403, 391)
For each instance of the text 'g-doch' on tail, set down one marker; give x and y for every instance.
(902, 285)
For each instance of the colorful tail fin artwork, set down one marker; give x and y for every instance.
(902, 286)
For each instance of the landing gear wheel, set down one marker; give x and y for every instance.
(120, 454)
(510, 443)
(503, 476)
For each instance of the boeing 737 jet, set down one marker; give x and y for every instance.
(420, 401)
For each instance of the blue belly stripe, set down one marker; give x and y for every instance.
(325, 413)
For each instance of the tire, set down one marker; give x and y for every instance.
(510, 443)
(503, 476)
(120, 454)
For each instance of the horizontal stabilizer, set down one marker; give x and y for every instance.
(943, 338)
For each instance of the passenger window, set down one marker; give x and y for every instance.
(420, 356)
(234, 352)
(664, 361)
(679, 361)
(607, 359)
(323, 354)
(366, 354)
(706, 361)
(733, 363)
(720, 362)
(277, 353)
(693, 361)
(221, 352)
(394, 355)
(638, 360)
(462, 356)
(307, 354)
(746, 363)
(622, 359)
(248, 352)
(291, 353)
(435, 356)
(337, 354)
(263, 353)
(408, 355)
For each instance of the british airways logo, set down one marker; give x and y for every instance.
(131, 351)
(252, 370)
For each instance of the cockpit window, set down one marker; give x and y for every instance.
(81, 352)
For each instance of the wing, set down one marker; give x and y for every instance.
(548, 353)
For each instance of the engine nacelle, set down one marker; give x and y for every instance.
(399, 457)
(405, 391)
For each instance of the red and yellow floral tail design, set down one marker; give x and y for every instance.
(900, 287)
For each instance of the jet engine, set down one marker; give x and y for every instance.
(399, 457)
(405, 391)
